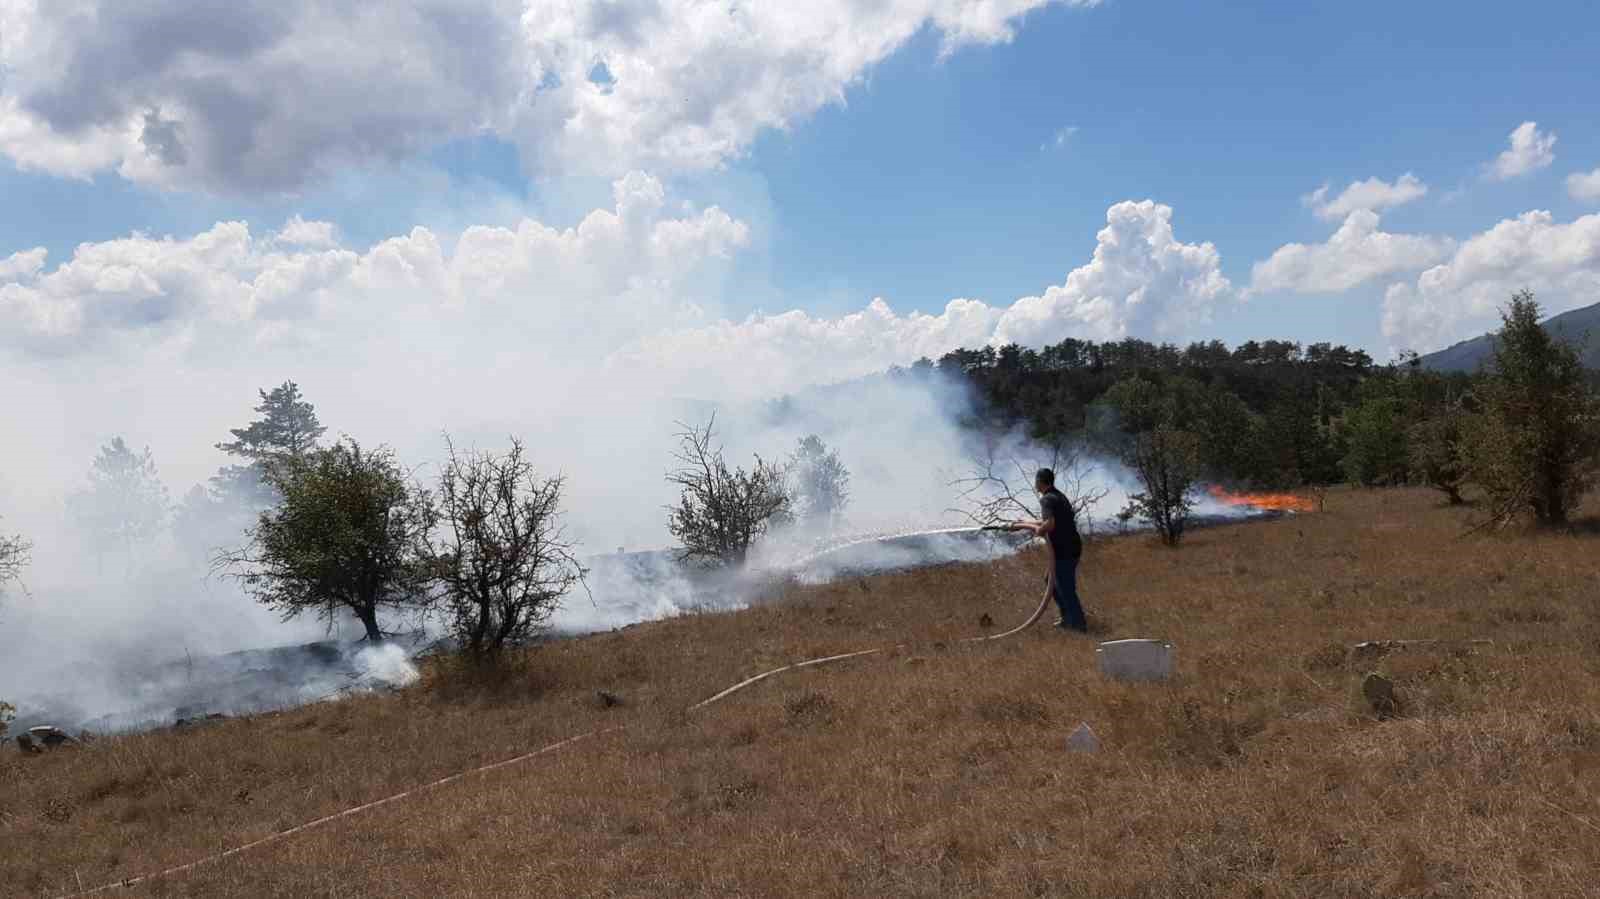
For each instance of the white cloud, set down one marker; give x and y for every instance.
(214, 93)
(1357, 253)
(301, 233)
(1460, 298)
(1141, 280)
(1531, 150)
(23, 266)
(1584, 185)
(1373, 194)
(622, 311)
(1060, 138)
(604, 275)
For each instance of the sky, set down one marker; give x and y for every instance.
(484, 214)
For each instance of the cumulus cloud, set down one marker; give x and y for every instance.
(608, 275)
(630, 280)
(1460, 298)
(1584, 185)
(1141, 280)
(214, 92)
(1373, 194)
(1530, 150)
(592, 334)
(1357, 253)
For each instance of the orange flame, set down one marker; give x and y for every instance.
(1279, 502)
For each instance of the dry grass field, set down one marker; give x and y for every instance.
(939, 769)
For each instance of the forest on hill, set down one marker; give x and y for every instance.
(1276, 414)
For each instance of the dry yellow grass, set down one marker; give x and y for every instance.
(939, 770)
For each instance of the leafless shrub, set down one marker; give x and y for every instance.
(14, 554)
(494, 549)
(722, 512)
(998, 487)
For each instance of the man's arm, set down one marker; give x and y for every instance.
(1047, 524)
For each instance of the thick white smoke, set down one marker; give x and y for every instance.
(590, 343)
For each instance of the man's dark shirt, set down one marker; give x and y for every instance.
(1064, 539)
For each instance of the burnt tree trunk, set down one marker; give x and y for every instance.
(368, 613)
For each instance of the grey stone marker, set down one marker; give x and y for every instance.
(1082, 739)
(1135, 659)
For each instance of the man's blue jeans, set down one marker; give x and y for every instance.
(1066, 590)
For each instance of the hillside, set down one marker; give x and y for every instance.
(1470, 355)
(935, 770)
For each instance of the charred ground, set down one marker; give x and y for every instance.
(938, 770)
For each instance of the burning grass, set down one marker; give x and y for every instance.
(1273, 502)
(939, 769)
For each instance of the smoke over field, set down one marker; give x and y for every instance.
(126, 624)
(113, 633)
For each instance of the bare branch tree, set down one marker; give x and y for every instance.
(14, 554)
(502, 562)
(722, 512)
(999, 486)
(1167, 462)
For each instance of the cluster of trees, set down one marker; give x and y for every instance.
(332, 529)
(1274, 415)
(723, 511)
(348, 529)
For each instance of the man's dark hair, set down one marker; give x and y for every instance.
(1045, 477)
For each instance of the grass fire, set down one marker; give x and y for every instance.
(1274, 502)
(935, 767)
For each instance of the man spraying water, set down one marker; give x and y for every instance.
(1059, 528)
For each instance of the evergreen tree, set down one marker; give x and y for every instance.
(1534, 445)
(820, 485)
(126, 504)
(287, 429)
(1378, 452)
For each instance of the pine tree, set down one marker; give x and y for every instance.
(1535, 444)
(288, 428)
(126, 504)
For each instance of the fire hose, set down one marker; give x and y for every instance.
(544, 750)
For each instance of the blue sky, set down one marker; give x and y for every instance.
(942, 176)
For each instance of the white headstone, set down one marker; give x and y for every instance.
(1135, 659)
(1082, 739)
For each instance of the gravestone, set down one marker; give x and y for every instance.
(51, 737)
(1082, 739)
(1380, 694)
(1137, 660)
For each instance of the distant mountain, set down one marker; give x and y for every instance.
(1571, 326)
